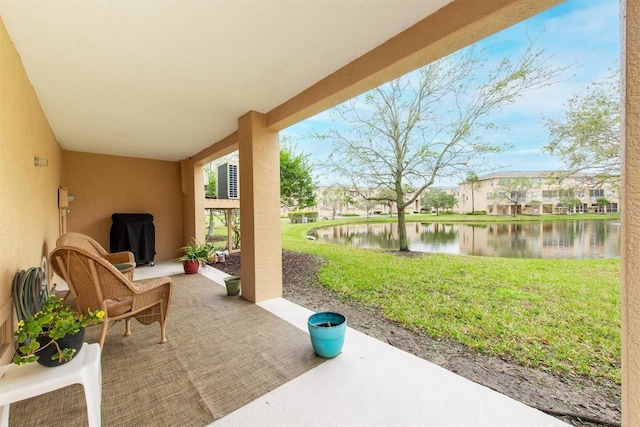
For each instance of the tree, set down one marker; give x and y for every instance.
(335, 197)
(436, 199)
(221, 214)
(296, 184)
(514, 190)
(368, 205)
(451, 202)
(602, 204)
(571, 202)
(210, 192)
(474, 184)
(427, 124)
(587, 137)
(210, 188)
(386, 197)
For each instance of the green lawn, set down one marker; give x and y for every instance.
(556, 315)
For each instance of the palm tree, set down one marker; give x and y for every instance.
(472, 180)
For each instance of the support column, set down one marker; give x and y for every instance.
(192, 201)
(630, 202)
(261, 246)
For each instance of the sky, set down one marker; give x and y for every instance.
(582, 32)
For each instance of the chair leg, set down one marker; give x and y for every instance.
(127, 326)
(103, 332)
(92, 383)
(4, 415)
(163, 324)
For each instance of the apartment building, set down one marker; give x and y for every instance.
(333, 201)
(538, 192)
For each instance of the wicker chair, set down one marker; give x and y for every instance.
(96, 284)
(124, 261)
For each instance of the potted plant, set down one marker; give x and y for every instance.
(327, 330)
(233, 285)
(195, 255)
(53, 335)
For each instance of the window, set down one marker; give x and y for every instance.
(517, 195)
(599, 192)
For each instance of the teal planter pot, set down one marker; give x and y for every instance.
(327, 331)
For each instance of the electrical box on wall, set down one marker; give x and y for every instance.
(63, 198)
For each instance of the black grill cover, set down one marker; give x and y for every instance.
(134, 232)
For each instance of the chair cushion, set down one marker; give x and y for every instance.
(116, 307)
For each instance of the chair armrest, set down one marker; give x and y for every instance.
(146, 286)
(124, 257)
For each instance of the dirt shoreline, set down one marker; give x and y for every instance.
(575, 400)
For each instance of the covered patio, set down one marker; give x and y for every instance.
(122, 103)
(254, 365)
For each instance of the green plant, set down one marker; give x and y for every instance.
(196, 251)
(55, 320)
(300, 217)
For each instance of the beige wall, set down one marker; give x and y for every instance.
(630, 218)
(29, 197)
(103, 185)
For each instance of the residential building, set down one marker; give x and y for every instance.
(332, 201)
(538, 192)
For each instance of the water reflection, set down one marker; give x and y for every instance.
(557, 239)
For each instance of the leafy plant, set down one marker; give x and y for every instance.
(196, 251)
(56, 320)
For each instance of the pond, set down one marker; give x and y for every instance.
(554, 239)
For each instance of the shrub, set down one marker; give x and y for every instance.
(301, 216)
(296, 217)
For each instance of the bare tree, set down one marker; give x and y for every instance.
(428, 124)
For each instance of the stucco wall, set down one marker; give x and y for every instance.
(630, 218)
(103, 185)
(29, 197)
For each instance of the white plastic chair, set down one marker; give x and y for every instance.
(22, 382)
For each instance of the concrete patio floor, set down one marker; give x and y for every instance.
(370, 383)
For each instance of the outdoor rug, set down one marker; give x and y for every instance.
(222, 353)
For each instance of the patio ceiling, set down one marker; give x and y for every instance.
(165, 79)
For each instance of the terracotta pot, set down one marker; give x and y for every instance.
(191, 266)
